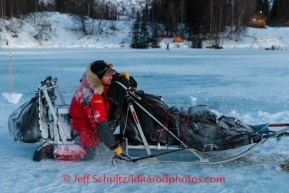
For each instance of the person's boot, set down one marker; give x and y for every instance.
(43, 152)
(91, 151)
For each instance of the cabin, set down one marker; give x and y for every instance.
(258, 20)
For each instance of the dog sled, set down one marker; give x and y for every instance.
(149, 129)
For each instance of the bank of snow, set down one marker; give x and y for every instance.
(53, 29)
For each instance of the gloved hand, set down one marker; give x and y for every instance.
(123, 79)
(118, 150)
(121, 156)
(125, 74)
(127, 80)
(132, 82)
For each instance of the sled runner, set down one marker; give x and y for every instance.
(152, 130)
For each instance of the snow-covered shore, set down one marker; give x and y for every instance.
(63, 31)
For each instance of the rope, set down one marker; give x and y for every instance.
(162, 129)
(156, 106)
(187, 122)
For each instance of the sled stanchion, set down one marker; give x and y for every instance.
(57, 127)
(60, 95)
(44, 90)
(130, 103)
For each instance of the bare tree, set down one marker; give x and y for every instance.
(231, 15)
(3, 8)
(32, 5)
(217, 24)
(240, 12)
(173, 16)
(14, 26)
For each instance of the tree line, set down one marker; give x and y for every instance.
(191, 19)
(208, 19)
(96, 9)
(197, 19)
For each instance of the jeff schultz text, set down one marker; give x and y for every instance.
(87, 178)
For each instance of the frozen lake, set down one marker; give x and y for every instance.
(250, 84)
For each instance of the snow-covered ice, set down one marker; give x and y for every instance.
(12, 97)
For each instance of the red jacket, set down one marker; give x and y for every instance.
(89, 107)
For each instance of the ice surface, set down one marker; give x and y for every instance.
(247, 84)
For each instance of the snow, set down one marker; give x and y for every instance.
(63, 31)
(250, 84)
(12, 97)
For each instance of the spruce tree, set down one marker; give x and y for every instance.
(144, 34)
(155, 40)
(60, 5)
(266, 8)
(155, 12)
(140, 34)
(284, 13)
(136, 31)
(279, 13)
(194, 15)
(262, 5)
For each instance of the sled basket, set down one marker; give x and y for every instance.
(236, 139)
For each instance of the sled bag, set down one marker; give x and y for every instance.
(23, 123)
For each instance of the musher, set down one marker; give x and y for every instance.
(90, 109)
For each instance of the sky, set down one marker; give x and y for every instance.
(249, 84)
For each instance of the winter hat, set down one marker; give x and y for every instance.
(101, 68)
